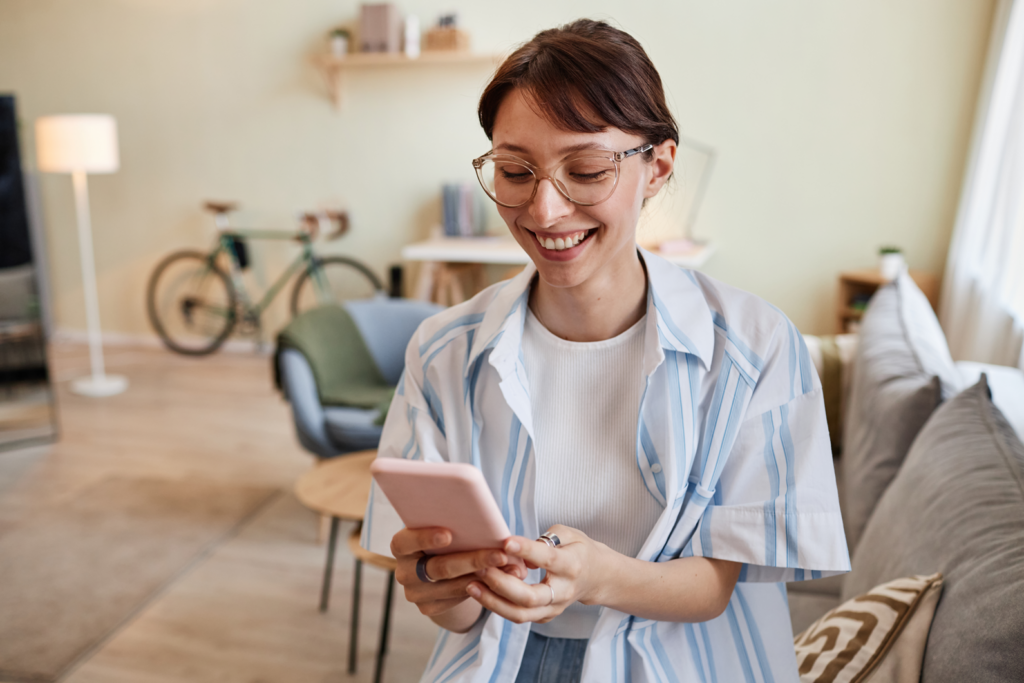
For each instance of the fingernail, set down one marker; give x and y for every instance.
(473, 590)
(440, 539)
(512, 547)
(497, 559)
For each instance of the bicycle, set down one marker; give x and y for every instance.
(194, 299)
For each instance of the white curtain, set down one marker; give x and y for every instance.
(982, 308)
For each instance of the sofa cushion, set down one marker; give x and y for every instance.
(901, 372)
(1005, 384)
(957, 507)
(352, 429)
(879, 636)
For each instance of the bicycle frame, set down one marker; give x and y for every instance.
(306, 259)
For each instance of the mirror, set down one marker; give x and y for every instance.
(27, 411)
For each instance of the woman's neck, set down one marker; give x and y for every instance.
(603, 307)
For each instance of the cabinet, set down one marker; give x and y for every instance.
(857, 286)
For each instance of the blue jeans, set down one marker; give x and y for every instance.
(552, 660)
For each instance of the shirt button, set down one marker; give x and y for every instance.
(656, 468)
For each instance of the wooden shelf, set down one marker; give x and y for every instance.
(333, 66)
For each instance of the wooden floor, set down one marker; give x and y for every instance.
(246, 611)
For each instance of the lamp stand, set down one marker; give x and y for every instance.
(99, 384)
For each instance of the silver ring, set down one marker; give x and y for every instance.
(551, 539)
(421, 570)
(552, 593)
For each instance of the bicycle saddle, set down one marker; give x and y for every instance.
(220, 207)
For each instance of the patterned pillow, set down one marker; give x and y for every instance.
(877, 637)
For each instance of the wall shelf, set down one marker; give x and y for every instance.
(334, 67)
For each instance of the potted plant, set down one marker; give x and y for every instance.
(890, 262)
(339, 39)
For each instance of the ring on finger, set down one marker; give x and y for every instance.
(551, 539)
(421, 570)
(550, 588)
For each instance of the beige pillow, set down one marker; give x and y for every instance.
(877, 637)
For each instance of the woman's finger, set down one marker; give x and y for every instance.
(535, 553)
(503, 608)
(516, 591)
(442, 567)
(419, 592)
(412, 541)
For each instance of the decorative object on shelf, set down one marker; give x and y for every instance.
(79, 144)
(890, 262)
(339, 41)
(446, 35)
(380, 28)
(412, 36)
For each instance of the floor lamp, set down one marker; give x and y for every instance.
(79, 144)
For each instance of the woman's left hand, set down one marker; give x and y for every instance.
(575, 572)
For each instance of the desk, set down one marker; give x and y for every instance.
(445, 259)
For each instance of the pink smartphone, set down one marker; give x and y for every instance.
(443, 494)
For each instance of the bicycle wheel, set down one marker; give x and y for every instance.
(344, 279)
(191, 303)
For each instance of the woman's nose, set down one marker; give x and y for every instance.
(548, 206)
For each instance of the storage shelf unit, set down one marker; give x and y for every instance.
(334, 67)
(863, 284)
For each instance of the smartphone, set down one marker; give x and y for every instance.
(443, 494)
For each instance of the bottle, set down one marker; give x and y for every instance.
(412, 36)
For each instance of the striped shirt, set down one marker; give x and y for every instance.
(731, 442)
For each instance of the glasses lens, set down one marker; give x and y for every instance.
(588, 179)
(506, 180)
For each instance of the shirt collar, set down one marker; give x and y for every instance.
(680, 315)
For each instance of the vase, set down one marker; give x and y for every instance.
(339, 46)
(890, 266)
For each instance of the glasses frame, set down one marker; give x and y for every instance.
(614, 157)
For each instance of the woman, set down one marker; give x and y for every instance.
(666, 430)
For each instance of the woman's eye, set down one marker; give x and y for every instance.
(515, 174)
(589, 176)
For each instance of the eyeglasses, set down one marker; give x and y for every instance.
(586, 179)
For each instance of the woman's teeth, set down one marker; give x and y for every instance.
(560, 244)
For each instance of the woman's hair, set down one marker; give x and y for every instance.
(584, 77)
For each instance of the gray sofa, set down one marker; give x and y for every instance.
(931, 479)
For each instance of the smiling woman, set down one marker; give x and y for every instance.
(667, 429)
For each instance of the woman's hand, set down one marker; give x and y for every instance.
(686, 589)
(451, 574)
(574, 573)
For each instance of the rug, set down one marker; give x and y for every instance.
(72, 574)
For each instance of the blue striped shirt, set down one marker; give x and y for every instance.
(731, 441)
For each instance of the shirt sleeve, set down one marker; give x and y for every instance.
(775, 507)
(413, 429)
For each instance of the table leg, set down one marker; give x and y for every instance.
(325, 590)
(385, 627)
(353, 639)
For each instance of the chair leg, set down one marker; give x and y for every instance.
(353, 638)
(385, 627)
(325, 588)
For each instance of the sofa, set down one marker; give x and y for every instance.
(931, 481)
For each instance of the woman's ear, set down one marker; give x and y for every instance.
(660, 167)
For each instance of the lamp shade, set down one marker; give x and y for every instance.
(77, 142)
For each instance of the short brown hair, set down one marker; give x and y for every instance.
(584, 71)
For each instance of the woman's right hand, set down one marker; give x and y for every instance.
(451, 573)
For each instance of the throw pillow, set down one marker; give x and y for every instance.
(957, 506)
(878, 637)
(901, 373)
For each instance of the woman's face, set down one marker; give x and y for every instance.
(609, 227)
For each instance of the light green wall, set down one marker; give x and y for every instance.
(840, 125)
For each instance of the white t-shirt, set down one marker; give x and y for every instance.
(586, 403)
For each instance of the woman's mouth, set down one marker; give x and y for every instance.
(563, 242)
